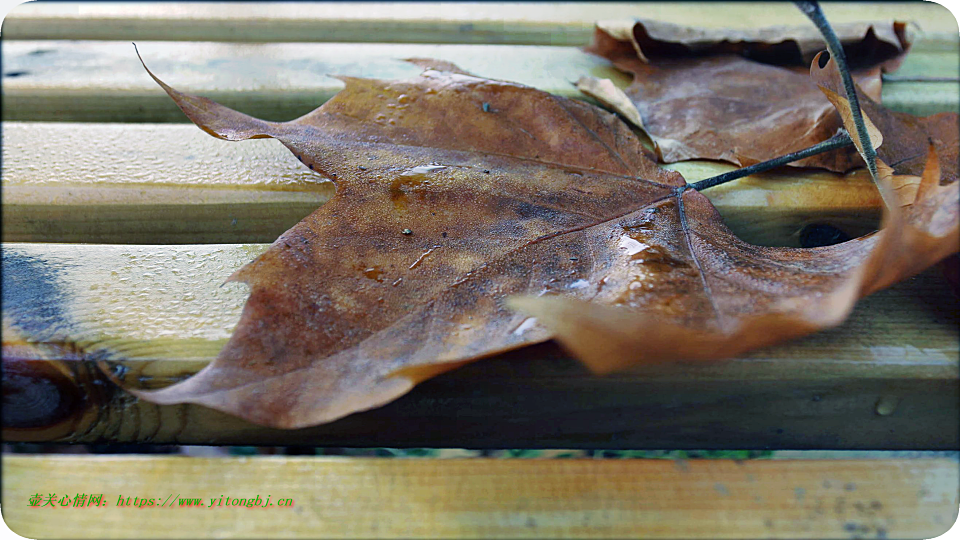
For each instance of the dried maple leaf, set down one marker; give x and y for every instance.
(454, 193)
(718, 95)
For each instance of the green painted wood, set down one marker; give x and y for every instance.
(99, 81)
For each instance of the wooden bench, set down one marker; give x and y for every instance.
(121, 221)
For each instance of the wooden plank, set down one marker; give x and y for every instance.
(887, 378)
(489, 22)
(149, 184)
(103, 81)
(485, 498)
(167, 184)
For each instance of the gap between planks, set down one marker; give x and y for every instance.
(488, 498)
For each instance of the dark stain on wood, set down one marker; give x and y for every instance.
(33, 297)
(36, 394)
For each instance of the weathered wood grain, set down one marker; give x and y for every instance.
(137, 183)
(486, 498)
(567, 23)
(101, 81)
(174, 184)
(158, 314)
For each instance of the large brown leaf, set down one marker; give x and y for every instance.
(454, 193)
(735, 96)
(499, 188)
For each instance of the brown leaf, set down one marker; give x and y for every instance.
(732, 109)
(869, 43)
(919, 234)
(920, 229)
(611, 96)
(718, 95)
(931, 206)
(906, 138)
(453, 194)
(760, 296)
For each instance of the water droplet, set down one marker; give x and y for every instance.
(601, 284)
(631, 245)
(422, 170)
(375, 273)
(407, 180)
(422, 256)
(886, 405)
(527, 324)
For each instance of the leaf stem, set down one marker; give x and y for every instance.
(839, 140)
(811, 8)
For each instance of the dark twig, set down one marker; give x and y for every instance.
(839, 140)
(812, 10)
